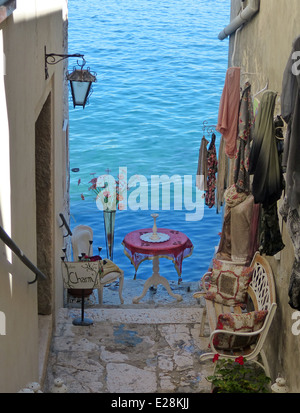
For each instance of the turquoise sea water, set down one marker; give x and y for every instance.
(160, 75)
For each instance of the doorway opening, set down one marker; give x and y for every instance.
(44, 206)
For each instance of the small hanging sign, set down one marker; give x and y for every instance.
(81, 274)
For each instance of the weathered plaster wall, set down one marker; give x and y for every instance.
(262, 49)
(23, 93)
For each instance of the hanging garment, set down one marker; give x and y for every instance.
(224, 249)
(279, 125)
(294, 287)
(264, 164)
(201, 177)
(292, 220)
(232, 199)
(270, 239)
(254, 233)
(240, 229)
(246, 119)
(222, 176)
(212, 165)
(229, 110)
(290, 111)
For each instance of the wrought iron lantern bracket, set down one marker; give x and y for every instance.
(53, 58)
(80, 80)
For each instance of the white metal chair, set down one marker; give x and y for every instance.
(82, 239)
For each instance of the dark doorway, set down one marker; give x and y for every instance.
(44, 205)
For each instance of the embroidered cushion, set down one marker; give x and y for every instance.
(244, 323)
(228, 283)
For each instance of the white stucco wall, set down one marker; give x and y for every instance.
(23, 92)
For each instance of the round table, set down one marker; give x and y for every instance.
(176, 248)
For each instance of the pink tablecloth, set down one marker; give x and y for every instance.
(176, 248)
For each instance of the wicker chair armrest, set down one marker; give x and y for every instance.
(233, 333)
(200, 294)
(206, 277)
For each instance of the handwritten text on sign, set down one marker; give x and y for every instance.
(81, 275)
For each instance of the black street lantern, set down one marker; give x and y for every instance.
(80, 79)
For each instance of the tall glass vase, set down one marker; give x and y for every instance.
(109, 226)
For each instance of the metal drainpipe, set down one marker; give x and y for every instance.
(243, 17)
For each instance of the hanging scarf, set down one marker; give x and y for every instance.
(241, 168)
(201, 177)
(264, 162)
(270, 240)
(212, 165)
(233, 197)
(229, 110)
(222, 176)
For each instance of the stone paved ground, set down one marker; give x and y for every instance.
(149, 347)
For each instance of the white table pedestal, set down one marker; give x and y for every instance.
(156, 279)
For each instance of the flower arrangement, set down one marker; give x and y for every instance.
(238, 376)
(109, 192)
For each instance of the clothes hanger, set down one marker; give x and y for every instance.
(210, 128)
(205, 122)
(265, 88)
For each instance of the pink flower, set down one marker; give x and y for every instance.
(93, 187)
(240, 360)
(106, 194)
(93, 181)
(216, 357)
(220, 326)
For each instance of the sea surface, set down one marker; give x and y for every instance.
(160, 74)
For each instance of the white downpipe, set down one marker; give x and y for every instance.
(243, 17)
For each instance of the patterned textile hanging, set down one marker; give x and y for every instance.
(246, 120)
(212, 165)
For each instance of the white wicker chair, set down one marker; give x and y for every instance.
(261, 296)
